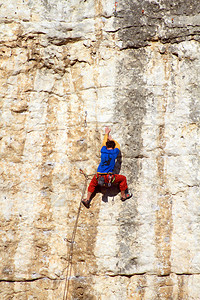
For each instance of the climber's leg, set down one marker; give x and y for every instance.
(121, 180)
(91, 188)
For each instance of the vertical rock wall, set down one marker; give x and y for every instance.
(68, 69)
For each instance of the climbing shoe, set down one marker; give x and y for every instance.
(86, 203)
(127, 196)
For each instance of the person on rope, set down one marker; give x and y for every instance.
(105, 177)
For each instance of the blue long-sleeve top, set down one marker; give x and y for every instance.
(108, 157)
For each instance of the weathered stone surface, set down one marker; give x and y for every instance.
(140, 22)
(68, 69)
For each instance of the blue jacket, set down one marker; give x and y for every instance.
(108, 157)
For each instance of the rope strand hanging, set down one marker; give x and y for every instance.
(70, 255)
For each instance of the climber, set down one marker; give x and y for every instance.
(105, 177)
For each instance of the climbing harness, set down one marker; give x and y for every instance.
(101, 178)
(70, 255)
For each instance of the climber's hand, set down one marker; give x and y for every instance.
(107, 130)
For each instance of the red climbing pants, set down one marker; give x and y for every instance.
(119, 179)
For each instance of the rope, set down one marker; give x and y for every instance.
(81, 171)
(70, 256)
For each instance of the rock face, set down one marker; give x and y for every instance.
(68, 69)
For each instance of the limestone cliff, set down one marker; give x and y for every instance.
(68, 69)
